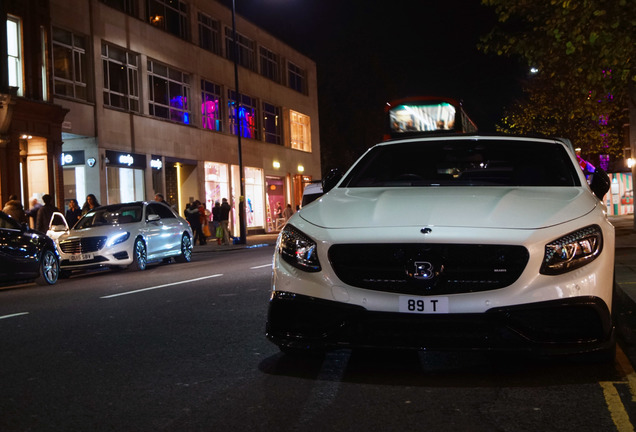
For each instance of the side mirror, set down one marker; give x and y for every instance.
(600, 183)
(331, 179)
(153, 217)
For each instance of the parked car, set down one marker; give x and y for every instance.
(450, 242)
(128, 235)
(26, 254)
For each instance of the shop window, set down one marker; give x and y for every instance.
(70, 71)
(217, 183)
(169, 93)
(300, 131)
(254, 193)
(124, 184)
(245, 114)
(211, 106)
(169, 15)
(121, 78)
(14, 51)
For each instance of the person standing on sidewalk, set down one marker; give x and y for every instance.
(224, 215)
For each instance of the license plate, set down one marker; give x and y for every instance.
(81, 257)
(424, 305)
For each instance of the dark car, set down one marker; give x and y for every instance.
(26, 254)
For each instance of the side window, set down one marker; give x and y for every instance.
(8, 223)
(163, 211)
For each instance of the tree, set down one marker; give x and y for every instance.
(584, 52)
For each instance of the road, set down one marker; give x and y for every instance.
(181, 347)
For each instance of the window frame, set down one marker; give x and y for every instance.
(248, 103)
(205, 118)
(212, 28)
(269, 64)
(15, 54)
(300, 131)
(131, 96)
(172, 80)
(270, 136)
(246, 48)
(171, 19)
(78, 72)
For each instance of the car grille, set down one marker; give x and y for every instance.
(430, 269)
(82, 245)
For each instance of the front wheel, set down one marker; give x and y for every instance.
(186, 250)
(140, 258)
(49, 268)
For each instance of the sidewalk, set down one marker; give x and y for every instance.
(625, 261)
(252, 241)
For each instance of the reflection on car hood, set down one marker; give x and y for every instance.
(98, 231)
(479, 207)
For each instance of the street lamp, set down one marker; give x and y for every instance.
(241, 206)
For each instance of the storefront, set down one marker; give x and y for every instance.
(125, 177)
(74, 172)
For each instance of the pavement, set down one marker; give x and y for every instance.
(251, 241)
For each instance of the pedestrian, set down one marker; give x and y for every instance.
(216, 222)
(224, 216)
(159, 198)
(288, 212)
(193, 218)
(90, 204)
(43, 218)
(74, 212)
(14, 208)
(32, 213)
(204, 218)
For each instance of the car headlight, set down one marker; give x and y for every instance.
(117, 238)
(572, 251)
(297, 249)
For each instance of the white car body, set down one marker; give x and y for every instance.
(125, 235)
(407, 266)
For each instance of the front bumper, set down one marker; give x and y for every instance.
(565, 326)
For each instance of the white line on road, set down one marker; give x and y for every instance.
(161, 286)
(261, 266)
(14, 315)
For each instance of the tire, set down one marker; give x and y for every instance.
(140, 256)
(49, 270)
(186, 250)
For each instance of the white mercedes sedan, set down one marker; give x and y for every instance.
(450, 242)
(128, 235)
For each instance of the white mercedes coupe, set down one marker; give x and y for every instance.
(450, 242)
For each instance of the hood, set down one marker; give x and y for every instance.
(483, 207)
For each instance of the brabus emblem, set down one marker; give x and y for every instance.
(423, 270)
(426, 230)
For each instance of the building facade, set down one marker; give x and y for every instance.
(149, 95)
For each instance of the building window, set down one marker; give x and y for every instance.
(69, 64)
(14, 51)
(121, 78)
(169, 93)
(246, 50)
(270, 64)
(126, 6)
(300, 131)
(272, 124)
(209, 37)
(169, 15)
(296, 78)
(211, 106)
(246, 115)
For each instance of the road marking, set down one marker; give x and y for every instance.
(161, 286)
(612, 398)
(261, 266)
(14, 315)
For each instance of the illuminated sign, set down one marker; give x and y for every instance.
(72, 158)
(132, 160)
(156, 163)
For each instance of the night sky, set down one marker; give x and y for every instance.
(370, 52)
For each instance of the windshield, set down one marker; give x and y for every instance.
(111, 215)
(465, 163)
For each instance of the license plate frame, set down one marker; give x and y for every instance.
(81, 257)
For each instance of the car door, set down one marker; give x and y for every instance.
(170, 228)
(18, 251)
(153, 232)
